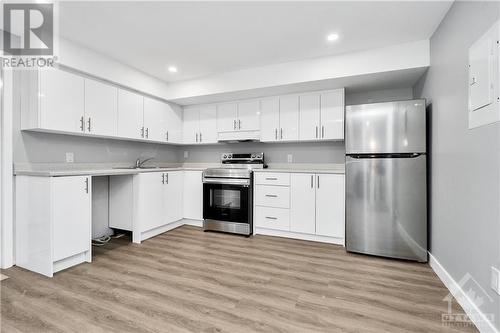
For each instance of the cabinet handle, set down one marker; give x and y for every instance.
(142, 132)
(167, 178)
(234, 124)
(271, 178)
(163, 178)
(281, 134)
(316, 132)
(322, 131)
(271, 195)
(167, 135)
(196, 137)
(318, 181)
(312, 180)
(89, 126)
(239, 123)
(82, 124)
(201, 140)
(147, 132)
(276, 134)
(86, 185)
(271, 218)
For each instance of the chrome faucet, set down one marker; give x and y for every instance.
(139, 163)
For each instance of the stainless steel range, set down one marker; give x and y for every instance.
(228, 195)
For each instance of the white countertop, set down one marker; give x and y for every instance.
(106, 169)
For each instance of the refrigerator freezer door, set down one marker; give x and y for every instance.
(386, 209)
(395, 127)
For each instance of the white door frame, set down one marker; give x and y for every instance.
(6, 170)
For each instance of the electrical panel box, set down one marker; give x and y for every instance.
(483, 80)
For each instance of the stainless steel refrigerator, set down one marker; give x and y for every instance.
(386, 182)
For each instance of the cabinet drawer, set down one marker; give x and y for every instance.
(267, 178)
(272, 218)
(272, 196)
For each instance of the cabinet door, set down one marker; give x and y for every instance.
(227, 117)
(289, 118)
(302, 203)
(174, 123)
(71, 215)
(269, 119)
(248, 115)
(332, 115)
(330, 205)
(155, 119)
(149, 200)
(309, 119)
(130, 115)
(208, 124)
(101, 108)
(190, 125)
(61, 97)
(173, 196)
(193, 195)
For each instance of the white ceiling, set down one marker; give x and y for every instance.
(203, 38)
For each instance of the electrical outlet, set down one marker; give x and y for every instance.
(495, 279)
(70, 157)
(186, 154)
(289, 158)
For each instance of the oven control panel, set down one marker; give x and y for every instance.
(242, 158)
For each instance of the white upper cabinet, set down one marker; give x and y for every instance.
(155, 119)
(130, 115)
(289, 118)
(101, 108)
(332, 115)
(227, 117)
(190, 125)
(269, 119)
(174, 123)
(330, 205)
(208, 124)
(248, 115)
(309, 111)
(61, 101)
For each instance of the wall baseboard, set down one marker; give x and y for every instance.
(479, 319)
(194, 223)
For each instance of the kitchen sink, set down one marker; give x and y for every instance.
(138, 168)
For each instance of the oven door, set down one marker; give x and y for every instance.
(227, 200)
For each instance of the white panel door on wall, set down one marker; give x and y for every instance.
(332, 115)
(174, 123)
(193, 195)
(101, 108)
(227, 117)
(289, 118)
(248, 115)
(190, 125)
(71, 215)
(330, 205)
(309, 118)
(150, 213)
(155, 119)
(130, 114)
(61, 96)
(208, 124)
(269, 119)
(302, 203)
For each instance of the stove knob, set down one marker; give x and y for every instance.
(253, 156)
(230, 156)
(225, 156)
(258, 156)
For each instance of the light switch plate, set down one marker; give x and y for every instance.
(495, 280)
(186, 154)
(289, 158)
(70, 157)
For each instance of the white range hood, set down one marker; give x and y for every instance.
(239, 136)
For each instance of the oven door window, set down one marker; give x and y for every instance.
(225, 202)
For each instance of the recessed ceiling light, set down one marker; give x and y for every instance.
(172, 69)
(332, 37)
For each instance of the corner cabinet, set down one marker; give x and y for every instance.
(307, 206)
(53, 222)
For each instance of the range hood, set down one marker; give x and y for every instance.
(239, 136)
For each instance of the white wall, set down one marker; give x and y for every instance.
(464, 164)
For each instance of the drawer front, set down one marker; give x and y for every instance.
(272, 218)
(272, 196)
(267, 178)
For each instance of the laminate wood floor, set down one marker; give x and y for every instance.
(190, 281)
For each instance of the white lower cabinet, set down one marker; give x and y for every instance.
(53, 222)
(193, 195)
(311, 207)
